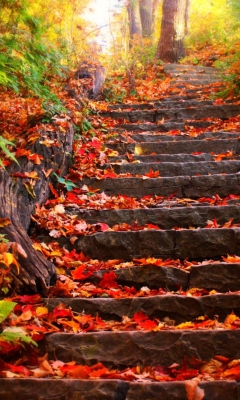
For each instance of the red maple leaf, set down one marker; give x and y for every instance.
(77, 274)
(152, 174)
(31, 299)
(143, 321)
(109, 281)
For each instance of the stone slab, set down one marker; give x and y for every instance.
(182, 82)
(216, 390)
(177, 308)
(221, 277)
(169, 169)
(206, 243)
(193, 244)
(167, 158)
(157, 391)
(127, 245)
(152, 276)
(141, 347)
(164, 127)
(165, 217)
(62, 389)
(99, 389)
(184, 146)
(154, 137)
(212, 185)
(181, 186)
(164, 103)
(199, 112)
(184, 68)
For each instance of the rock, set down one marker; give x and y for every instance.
(66, 389)
(142, 348)
(168, 169)
(176, 307)
(157, 391)
(221, 277)
(166, 218)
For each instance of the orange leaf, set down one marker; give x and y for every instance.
(232, 373)
(4, 222)
(77, 274)
(76, 371)
(152, 174)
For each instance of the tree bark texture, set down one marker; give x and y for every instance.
(146, 17)
(155, 4)
(173, 30)
(187, 17)
(18, 199)
(135, 26)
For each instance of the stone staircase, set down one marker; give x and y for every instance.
(188, 170)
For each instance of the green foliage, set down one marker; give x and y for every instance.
(6, 308)
(116, 94)
(17, 338)
(12, 335)
(208, 24)
(69, 185)
(214, 36)
(3, 144)
(86, 125)
(27, 61)
(231, 74)
(52, 108)
(3, 239)
(141, 54)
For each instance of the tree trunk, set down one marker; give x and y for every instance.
(171, 46)
(187, 17)
(135, 26)
(19, 195)
(155, 4)
(146, 17)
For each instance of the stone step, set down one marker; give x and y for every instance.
(168, 169)
(155, 136)
(163, 103)
(201, 92)
(165, 217)
(169, 158)
(177, 308)
(141, 347)
(189, 98)
(195, 75)
(174, 101)
(222, 277)
(151, 127)
(167, 126)
(215, 390)
(181, 186)
(216, 146)
(182, 82)
(189, 89)
(171, 68)
(198, 112)
(187, 243)
(148, 348)
(106, 389)
(63, 389)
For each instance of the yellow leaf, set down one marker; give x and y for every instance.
(185, 325)
(60, 271)
(9, 259)
(40, 311)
